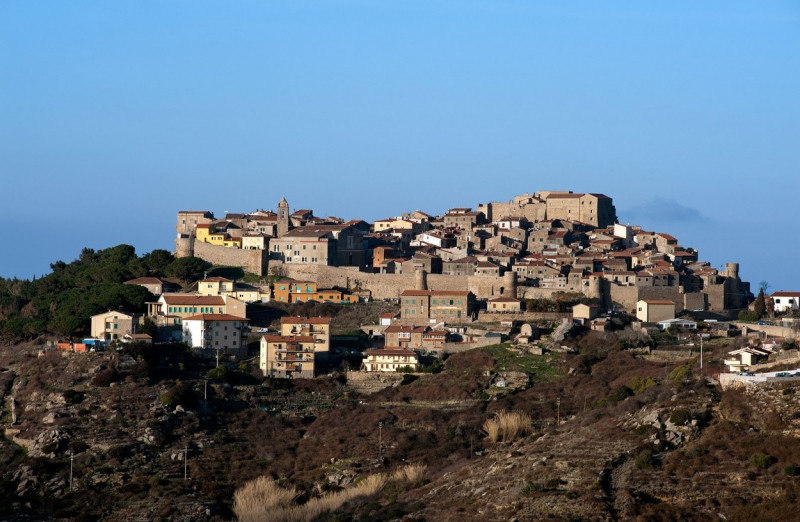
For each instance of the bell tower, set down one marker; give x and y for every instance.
(283, 217)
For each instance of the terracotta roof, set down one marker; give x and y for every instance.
(216, 280)
(305, 320)
(192, 299)
(215, 317)
(658, 302)
(144, 281)
(400, 328)
(786, 294)
(504, 300)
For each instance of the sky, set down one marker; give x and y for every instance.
(115, 115)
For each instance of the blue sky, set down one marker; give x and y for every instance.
(114, 115)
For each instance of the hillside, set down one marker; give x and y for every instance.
(637, 438)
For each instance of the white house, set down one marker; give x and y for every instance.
(217, 333)
(786, 301)
(680, 324)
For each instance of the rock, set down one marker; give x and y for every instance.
(48, 443)
(50, 418)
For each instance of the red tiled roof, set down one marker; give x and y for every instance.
(144, 281)
(215, 317)
(179, 299)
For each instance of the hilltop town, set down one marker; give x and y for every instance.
(529, 247)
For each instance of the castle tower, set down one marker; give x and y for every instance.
(595, 290)
(283, 217)
(420, 279)
(510, 284)
(733, 298)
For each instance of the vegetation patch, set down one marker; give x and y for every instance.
(540, 367)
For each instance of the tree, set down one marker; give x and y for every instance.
(760, 306)
(187, 269)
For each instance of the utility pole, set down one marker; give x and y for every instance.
(205, 389)
(701, 351)
(558, 411)
(185, 461)
(71, 458)
(380, 439)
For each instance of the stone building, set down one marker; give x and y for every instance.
(438, 305)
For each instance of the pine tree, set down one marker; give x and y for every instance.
(761, 306)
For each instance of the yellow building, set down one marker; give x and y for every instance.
(317, 327)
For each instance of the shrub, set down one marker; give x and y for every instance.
(680, 416)
(73, 396)
(762, 460)
(680, 374)
(620, 393)
(644, 459)
(792, 470)
(640, 384)
(220, 373)
(104, 378)
(507, 426)
(180, 394)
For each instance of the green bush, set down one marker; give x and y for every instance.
(748, 316)
(762, 460)
(644, 459)
(640, 384)
(680, 374)
(620, 393)
(680, 416)
(180, 394)
(221, 373)
(792, 470)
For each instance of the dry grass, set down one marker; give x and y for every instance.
(507, 426)
(274, 505)
(257, 499)
(411, 473)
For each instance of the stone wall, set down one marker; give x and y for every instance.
(782, 332)
(253, 261)
(389, 286)
(486, 317)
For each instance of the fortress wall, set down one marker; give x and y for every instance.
(254, 261)
(388, 286)
(628, 296)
